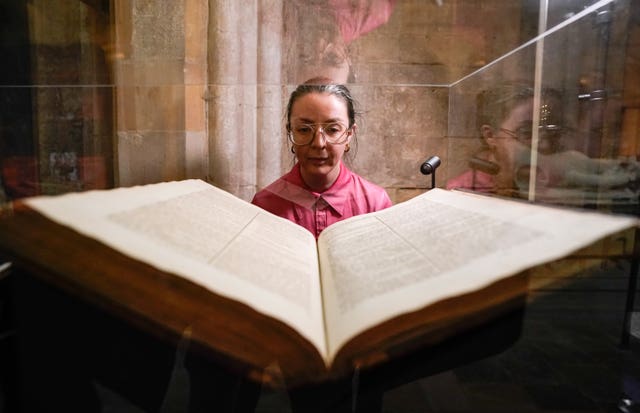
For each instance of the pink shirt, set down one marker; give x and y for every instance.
(475, 180)
(349, 195)
(358, 17)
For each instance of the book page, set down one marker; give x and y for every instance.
(210, 237)
(438, 245)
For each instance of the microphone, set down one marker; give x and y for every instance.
(485, 166)
(429, 167)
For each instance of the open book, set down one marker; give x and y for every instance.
(257, 289)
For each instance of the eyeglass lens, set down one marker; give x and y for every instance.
(525, 134)
(303, 134)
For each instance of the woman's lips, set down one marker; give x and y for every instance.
(317, 161)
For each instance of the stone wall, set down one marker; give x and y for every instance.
(234, 63)
(165, 89)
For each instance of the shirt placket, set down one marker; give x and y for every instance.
(320, 215)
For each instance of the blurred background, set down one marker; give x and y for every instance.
(104, 93)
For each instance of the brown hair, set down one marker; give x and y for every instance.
(323, 85)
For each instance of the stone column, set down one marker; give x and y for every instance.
(150, 80)
(270, 139)
(232, 100)
(196, 19)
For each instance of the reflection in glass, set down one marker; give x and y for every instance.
(568, 152)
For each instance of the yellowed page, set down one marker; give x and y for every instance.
(210, 237)
(438, 245)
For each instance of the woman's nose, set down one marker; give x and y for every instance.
(318, 138)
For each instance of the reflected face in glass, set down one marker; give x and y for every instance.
(518, 120)
(320, 159)
(323, 51)
(513, 138)
(329, 60)
(518, 126)
(505, 148)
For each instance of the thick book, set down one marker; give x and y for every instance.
(257, 289)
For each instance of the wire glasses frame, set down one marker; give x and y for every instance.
(335, 133)
(524, 135)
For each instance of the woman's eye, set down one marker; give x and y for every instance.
(524, 133)
(334, 129)
(303, 129)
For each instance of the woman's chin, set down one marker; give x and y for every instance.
(319, 173)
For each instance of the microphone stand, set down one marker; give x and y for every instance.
(429, 167)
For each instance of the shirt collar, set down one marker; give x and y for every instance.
(335, 196)
(292, 188)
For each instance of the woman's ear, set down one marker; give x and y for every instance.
(487, 134)
(352, 132)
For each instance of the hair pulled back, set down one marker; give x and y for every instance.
(323, 85)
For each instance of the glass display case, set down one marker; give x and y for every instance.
(576, 143)
(536, 100)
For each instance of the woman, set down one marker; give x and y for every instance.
(320, 190)
(504, 119)
(503, 165)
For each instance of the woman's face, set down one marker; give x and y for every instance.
(519, 122)
(520, 116)
(320, 160)
(506, 149)
(515, 152)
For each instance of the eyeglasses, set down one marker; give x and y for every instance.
(335, 133)
(524, 135)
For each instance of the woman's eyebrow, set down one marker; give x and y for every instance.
(304, 120)
(525, 123)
